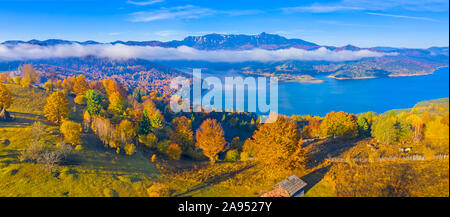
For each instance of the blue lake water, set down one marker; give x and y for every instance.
(356, 96)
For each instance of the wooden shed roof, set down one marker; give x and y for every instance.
(292, 184)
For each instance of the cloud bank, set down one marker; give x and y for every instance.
(120, 51)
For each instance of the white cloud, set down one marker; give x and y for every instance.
(405, 17)
(317, 8)
(143, 3)
(119, 51)
(184, 12)
(373, 5)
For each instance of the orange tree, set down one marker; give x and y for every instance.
(5, 97)
(210, 139)
(277, 146)
(57, 108)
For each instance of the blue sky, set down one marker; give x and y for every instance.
(365, 23)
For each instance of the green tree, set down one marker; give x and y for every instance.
(363, 127)
(182, 133)
(116, 103)
(157, 120)
(144, 125)
(385, 131)
(94, 102)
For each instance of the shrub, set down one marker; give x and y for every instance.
(162, 146)
(232, 155)
(148, 140)
(158, 190)
(71, 131)
(130, 149)
(174, 151)
(32, 153)
(50, 158)
(244, 156)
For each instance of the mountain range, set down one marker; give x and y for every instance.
(406, 62)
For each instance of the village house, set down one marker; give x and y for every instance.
(293, 186)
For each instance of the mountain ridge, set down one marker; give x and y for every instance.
(216, 41)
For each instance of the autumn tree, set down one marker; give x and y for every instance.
(436, 130)
(149, 140)
(277, 146)
(25, 83)
(17, 79)
(124, 132)
(5, 97)
(417, 127)
(112, 86)
(29, 73)
(174, 151)
(312, 130)
(80, 85)
(103, 128)
(116, 103)
(210, 138)
(57, 108)
(48, 86)
(98, 86)
(339, 124)
(157, 120)
(67, 83)
(71, 132)
(182, 133)
(5, 77)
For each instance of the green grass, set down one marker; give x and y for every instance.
(98, 171)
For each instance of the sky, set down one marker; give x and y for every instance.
(364, 23)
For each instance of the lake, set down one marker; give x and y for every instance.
(356, 96)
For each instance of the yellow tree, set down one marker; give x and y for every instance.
(124, 132)
(174, 151)
(30, 74)
(67, 83)
(80, 85)
(339, 124)
(417, 126)
(277, 146)
(71, 132)
(5, 97)
(210, 139)
(116, 103)
(57, 108)
(182, 132)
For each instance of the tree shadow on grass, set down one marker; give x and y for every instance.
(315, 177)
(215, 180)
(9, 156)
(329, 148)
(22, 120)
